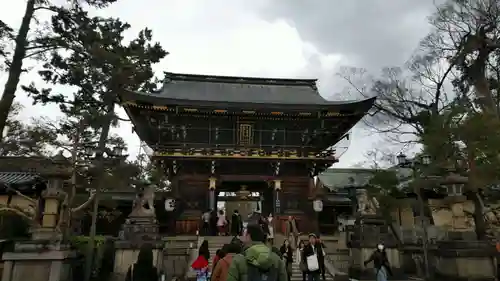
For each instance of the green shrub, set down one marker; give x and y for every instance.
(80, 244)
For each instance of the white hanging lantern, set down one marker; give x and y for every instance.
(318, 205)
(169, 205)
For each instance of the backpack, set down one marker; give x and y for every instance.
(257, 274)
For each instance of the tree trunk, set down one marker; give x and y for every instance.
(110, 108)
(478, 216)
(15, 70)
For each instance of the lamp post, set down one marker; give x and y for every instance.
(115, 154)
(415, 165)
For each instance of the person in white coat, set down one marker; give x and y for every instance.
(270, 225)
(221, 223)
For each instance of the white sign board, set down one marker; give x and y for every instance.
(318, 205)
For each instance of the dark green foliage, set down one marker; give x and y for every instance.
(100, 269)
(385, 187)
(24, 139)
(6, 35)
(98, 64)
(150, 172)
(14, 227)
(33, 40)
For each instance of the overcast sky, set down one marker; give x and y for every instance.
(268, 38)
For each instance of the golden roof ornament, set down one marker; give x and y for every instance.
(243, 193)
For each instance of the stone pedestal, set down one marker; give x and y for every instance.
(141, 229)
(137, 230)
(35, 261)
(363, 238)
(465, 260)
(126, 254)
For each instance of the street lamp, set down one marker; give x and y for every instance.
(402, 160)
(113, 154)
(415, 165)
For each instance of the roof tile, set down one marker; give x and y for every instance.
(17, 177)
(196, 88)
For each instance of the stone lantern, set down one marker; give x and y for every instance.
(46, 256)
(52, 202)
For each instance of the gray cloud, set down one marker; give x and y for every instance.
(369, 33)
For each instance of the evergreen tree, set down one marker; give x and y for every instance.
(34, 44)
(24, 139)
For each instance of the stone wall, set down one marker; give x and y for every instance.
(452, 260)
(171, 256)
(178, 254)
(125, 257)
(465, 260)
(176, 262)
(403, 215)
(451, 213)
(49, 265)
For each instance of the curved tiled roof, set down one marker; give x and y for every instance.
(190, 88)
(17, 178)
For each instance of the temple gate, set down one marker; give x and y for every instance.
(216, 133)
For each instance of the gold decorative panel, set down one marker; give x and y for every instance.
(245, 134)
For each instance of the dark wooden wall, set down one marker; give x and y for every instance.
(296, 201)
(192, 197)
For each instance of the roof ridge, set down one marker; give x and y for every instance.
(170, 76)
(18, 172)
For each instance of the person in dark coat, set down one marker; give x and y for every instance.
(287, 254)
(313, 249)
(322, 263)
(263, 225)
(380, 263)
(143, 269)
(213, 222)
(236, 223)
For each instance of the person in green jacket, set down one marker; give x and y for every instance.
(257, 262)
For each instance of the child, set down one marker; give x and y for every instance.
(200, 266)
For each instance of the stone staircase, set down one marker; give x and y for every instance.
(215, 243)
(297, 273)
